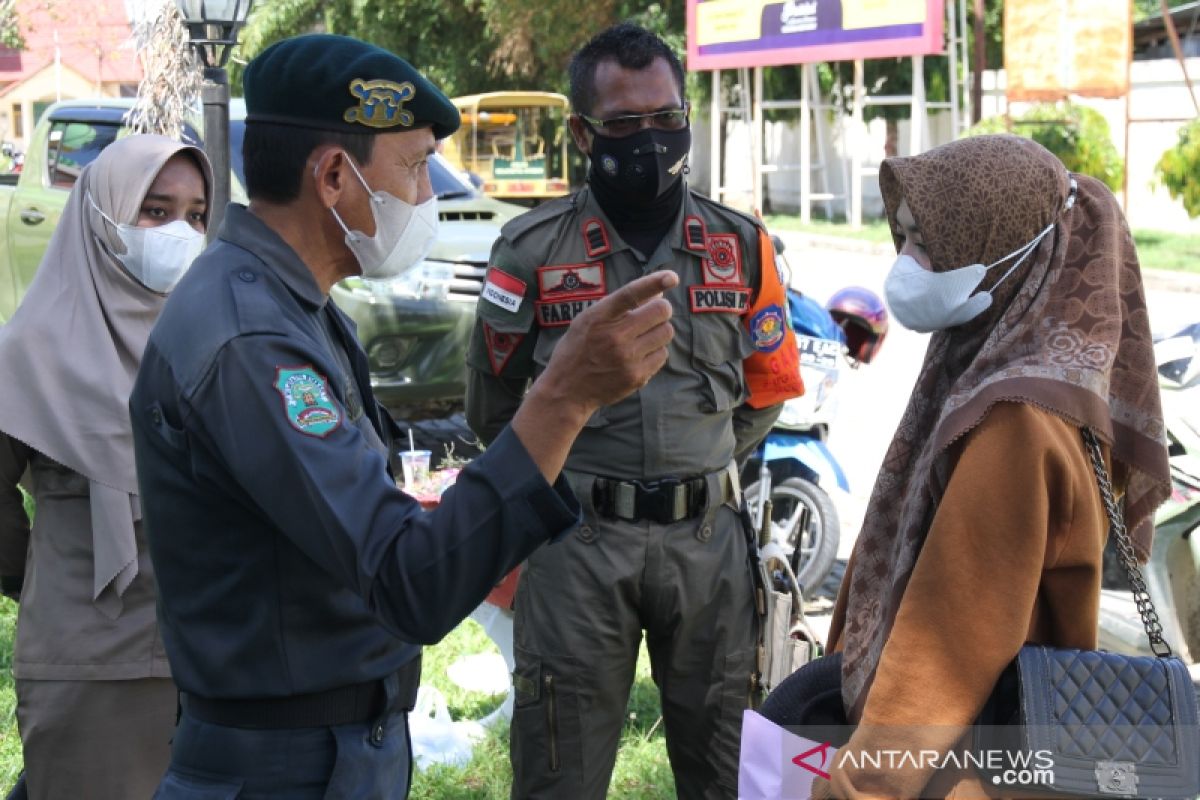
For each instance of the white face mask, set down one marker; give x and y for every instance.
(404, 234)
(924, 301)
(157, 257)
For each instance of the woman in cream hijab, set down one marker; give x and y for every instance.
(95, 702)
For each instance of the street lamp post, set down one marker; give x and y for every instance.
(213, 29)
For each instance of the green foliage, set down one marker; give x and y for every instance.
(10, 27)
(1179, 169)
(468, 46)
(1078, 135)
(1144, 9)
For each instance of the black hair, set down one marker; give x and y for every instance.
(631, 46)
(274, 156)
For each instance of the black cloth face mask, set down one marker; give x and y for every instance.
(643, 167)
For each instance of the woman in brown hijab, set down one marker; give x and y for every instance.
(985, 529)
(95, 703)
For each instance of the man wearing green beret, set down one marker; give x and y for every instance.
(296, 582)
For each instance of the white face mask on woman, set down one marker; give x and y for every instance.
(404, 233)
(923, 300)
(157, 257)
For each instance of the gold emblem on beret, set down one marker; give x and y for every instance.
(380, 103)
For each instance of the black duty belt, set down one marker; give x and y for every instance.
(360, 702)
(663, 501)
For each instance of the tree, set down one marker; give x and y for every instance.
(10, 26)
(466, 46)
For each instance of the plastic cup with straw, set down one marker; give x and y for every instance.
(415, 464)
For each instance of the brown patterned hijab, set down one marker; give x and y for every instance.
(1067, 332)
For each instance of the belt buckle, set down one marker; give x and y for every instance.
(665, 500)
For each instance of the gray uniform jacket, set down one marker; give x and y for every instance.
(556, 260)
(61, 635)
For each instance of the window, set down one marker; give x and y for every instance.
(74, 145)
(18, 121)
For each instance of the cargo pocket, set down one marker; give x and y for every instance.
(546, 720)
(182, 786)
(719, 344)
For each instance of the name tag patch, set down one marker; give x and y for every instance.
(727, 299)
(306, 401)
(503, 290)
(556, 314)
(571, 281)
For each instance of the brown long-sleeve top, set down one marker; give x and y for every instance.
(1013, 555)
(61, 635)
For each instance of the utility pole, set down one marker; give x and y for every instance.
(980, 64)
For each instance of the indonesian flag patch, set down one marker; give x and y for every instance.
(500, 346)
(503, 289)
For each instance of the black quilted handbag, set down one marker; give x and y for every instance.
(1100, 724)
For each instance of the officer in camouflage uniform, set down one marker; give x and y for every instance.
(661, 548)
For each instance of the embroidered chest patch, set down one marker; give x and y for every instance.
(306, 401)
(724, 262)
(565, 290)
(571, 281)
(730, 299)
(557, 314)
(503, 289)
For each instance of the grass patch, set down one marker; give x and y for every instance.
(1156, 249)
(641, 773)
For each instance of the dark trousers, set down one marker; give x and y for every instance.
(360, 761)
(581, 608)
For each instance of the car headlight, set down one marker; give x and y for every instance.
(387, 353)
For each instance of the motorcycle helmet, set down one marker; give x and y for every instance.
(861, 315)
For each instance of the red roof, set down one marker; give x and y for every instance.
(93, 40)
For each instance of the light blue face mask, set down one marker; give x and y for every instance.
(924, 301)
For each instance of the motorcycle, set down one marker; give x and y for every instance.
(1172, 574)
(793, 468)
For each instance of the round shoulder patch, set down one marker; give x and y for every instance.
(306, 401)
(767, 328)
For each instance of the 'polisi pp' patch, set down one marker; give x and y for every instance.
(503, 290)
(724, 262)
(306, 401)
(556, 314)
(767, 329)
(571, 281)
(728, 299)
(500, 346)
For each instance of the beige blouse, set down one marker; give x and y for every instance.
(60, 633)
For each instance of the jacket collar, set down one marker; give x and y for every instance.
(677, 235)
(245, 230)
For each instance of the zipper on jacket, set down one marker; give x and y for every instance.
(552, 720)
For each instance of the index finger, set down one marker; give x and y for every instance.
(634, 294)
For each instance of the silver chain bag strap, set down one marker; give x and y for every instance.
(1103, 724)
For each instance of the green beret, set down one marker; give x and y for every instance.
(342, 84)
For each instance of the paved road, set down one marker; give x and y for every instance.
(872, 398)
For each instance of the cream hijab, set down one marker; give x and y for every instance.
(71, 351)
